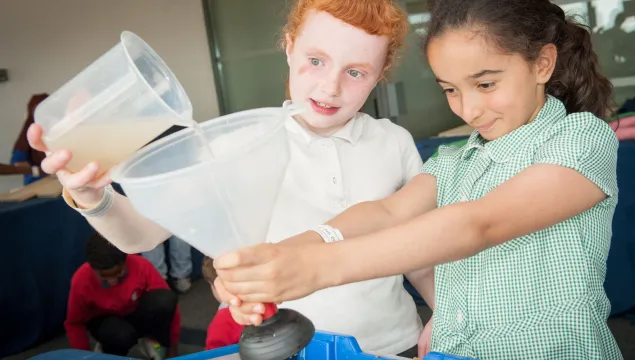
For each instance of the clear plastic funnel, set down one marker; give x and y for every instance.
(119, 103)
(217, 204)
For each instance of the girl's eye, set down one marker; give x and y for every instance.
(316, 62)
(355, 73)
(486, 86)
(448, 91)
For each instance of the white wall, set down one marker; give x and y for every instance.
(44, 43)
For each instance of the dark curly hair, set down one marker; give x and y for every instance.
(524, 27)
(102, 255)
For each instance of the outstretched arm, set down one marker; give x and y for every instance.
(415, 198)
(537, 198)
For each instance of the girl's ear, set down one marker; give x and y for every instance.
(289, 47)
(546, 63)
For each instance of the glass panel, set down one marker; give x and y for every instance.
(247, 28)
(252, 69)
(253, 82)
(423, 108)
(613, 23)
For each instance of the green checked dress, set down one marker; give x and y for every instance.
(539, 296)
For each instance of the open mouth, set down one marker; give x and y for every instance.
(323, 108)
(324, 105)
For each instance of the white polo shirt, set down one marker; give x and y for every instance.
(367, 159)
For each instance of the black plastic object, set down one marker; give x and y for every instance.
(279, 337)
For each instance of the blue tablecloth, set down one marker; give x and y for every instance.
(43, 244)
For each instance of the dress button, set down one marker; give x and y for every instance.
(334, 180)
(459, 317)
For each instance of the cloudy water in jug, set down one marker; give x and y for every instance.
(108, 143)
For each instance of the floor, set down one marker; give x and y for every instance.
(198, 307)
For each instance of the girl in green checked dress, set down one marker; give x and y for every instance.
(516, 224)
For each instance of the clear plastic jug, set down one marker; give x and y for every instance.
(119, 103)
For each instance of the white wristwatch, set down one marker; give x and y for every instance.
(328, 233)
(96, 211)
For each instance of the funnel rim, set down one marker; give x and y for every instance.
(128, 36)
(116, 173)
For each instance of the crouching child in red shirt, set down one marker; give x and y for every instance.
(121, 300)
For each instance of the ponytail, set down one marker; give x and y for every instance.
(577, 79)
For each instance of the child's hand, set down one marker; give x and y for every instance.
(85, 187)
(215, 293)
(243, 313)
(273, 273)
(247, 313)
(425, 339)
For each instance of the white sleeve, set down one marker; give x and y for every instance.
(124, 227)
(411, 161)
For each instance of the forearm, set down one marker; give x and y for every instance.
(364, 218)
(447, 234)
(415, 198)
(125, 228)
(358, 220)
(423, 282)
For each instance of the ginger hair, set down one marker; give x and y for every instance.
(375, 17)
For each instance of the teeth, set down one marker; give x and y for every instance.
(323, 105)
